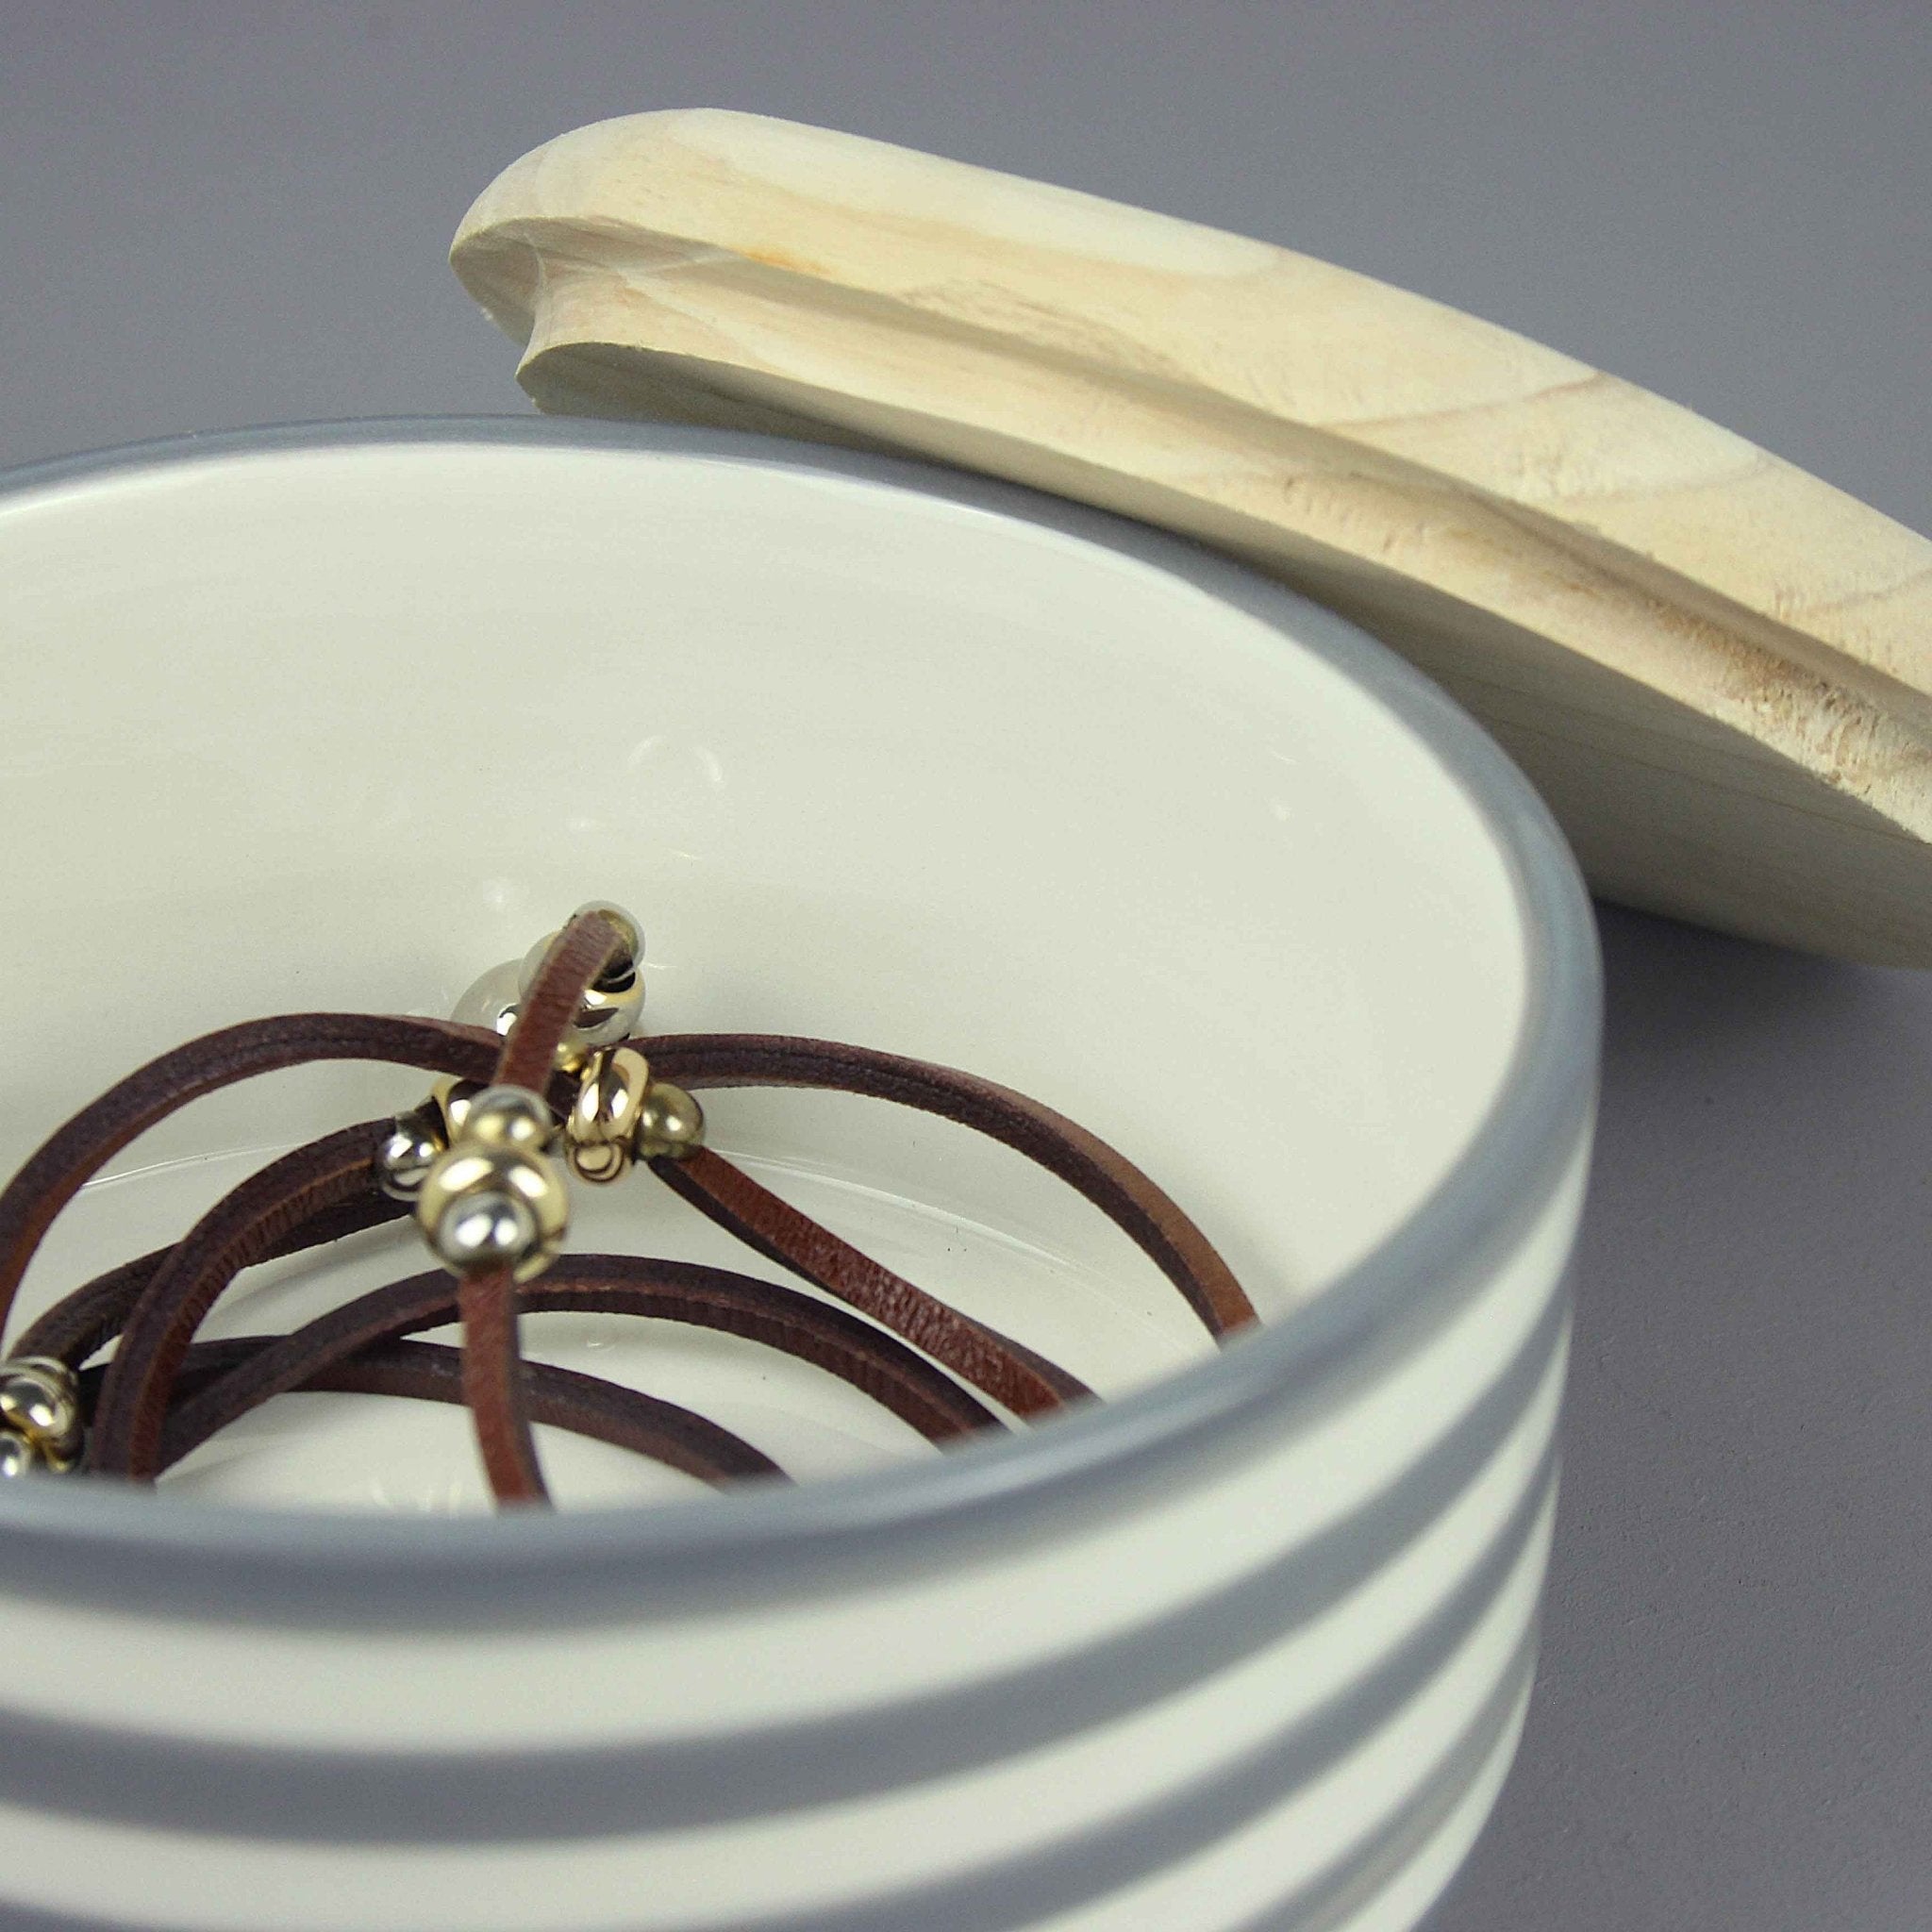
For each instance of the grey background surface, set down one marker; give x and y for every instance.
(221, 215)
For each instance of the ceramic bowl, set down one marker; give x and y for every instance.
(337, 718)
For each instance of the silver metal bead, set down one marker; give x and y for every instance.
(409, 1151)
(628, 930)
(41, 1403)
(486, 1206)
(615, 1001)
(487, 1230)
(17, 1457)
(490, 1001)
(610, 1014)
(621, 969)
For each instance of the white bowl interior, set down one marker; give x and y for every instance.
(338, 726)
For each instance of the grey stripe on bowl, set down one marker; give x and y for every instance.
(1376, 1862)
(1025, 1893)
(367, 1797)
(87, 1544)
(1089, 1864)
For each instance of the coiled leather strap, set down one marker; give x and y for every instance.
(494, 1384)
(243, 1229)
(327, 1189)
(429, 1372)
(1143, 1211)
(76, 1151)
(684, 1291)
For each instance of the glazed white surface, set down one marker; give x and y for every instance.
(338, 728)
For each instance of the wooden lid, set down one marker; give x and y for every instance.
(1717, 668)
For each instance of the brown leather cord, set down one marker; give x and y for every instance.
(872, 1360)
(494, 1383)
(496, 1387)
(1023, 1381)
(33, 1199)
(87, 1320)
(28, 1204)
(562, 1398)
(239, 1230)
(1114, 1185)
(429, 1372)
(93, 1314)
(320, 1193)
(126, 1435)
(684, 1291)
(554, 998)
(74, 1153)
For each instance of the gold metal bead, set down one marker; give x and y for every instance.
(600, 1166)
(670, 1121)
(41, 1403)
(409, 1151)
(448, 1105)
(17, 1457)
(494, 1203)
(602, 1126)
(509, 1116)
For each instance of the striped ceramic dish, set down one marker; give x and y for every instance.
(885, 753)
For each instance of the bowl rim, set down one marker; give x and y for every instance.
(105, 1545)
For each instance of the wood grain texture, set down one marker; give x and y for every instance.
(1717, 668)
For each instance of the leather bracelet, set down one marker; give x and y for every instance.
(715, 1298)
(430, 1372)
(162, 1311)
(164, 1390)
(254, 1221)
(33, 1199)
(243, 1229)
(1143, 1211)
(83, 1323)
(493, 1380)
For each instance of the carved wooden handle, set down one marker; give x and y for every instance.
(1717, 668)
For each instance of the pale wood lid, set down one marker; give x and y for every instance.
(1717, 668)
